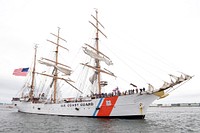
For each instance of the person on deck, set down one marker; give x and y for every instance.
(136, 90)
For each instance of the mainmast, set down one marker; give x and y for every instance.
(33, 75)
(97, 49)
(98, 56)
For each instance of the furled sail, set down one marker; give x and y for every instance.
(93, 78)
(150, 88)
(166, 85)
(187, 77)
(96, 56)
(64, 70)
(174, 77)
(61, 69)
(178, 80)
(45, 63)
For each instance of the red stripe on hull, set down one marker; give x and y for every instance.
(107, 106)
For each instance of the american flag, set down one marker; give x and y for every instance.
(21, 72)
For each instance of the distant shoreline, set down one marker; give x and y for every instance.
(176, 105)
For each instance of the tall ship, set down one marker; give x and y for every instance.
(41, 93)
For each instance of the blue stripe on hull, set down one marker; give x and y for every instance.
(94, 114)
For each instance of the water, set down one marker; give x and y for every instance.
(157, 120)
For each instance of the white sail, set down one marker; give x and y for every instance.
(64, 70)
(45, 63)
(165, 86)
(93, 78)
(61, 69)
(180, 79)
(187, 77)
(96, 56)
(150, 88)
(174, 77)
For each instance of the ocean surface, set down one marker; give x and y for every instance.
(157, 120)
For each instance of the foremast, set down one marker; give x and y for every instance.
(56, 70)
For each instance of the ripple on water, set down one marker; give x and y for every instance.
(157, 120)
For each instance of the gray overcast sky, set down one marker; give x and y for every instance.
(137, 30)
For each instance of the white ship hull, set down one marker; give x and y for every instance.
(126, 106)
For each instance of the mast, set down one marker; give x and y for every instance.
(97, 48)
(58, 67)
(96, 54)
(33, 75)
(56, 70)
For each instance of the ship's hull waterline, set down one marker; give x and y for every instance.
(127, 106)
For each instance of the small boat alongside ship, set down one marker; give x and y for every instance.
(96, 103)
